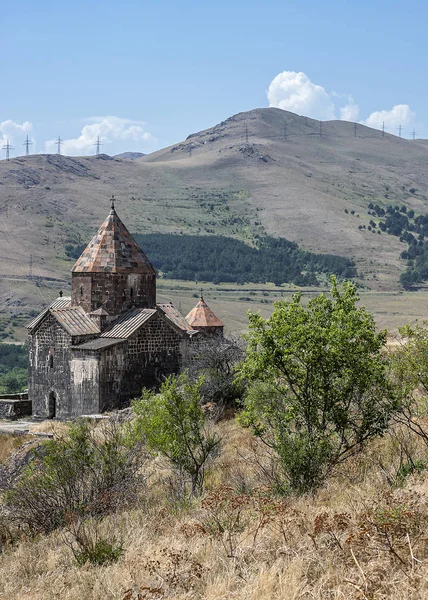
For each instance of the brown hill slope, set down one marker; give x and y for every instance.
(284, 178)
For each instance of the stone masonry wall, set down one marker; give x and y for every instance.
(49, 368)
(49, 373)
(153, 353)
(85, 382)
(116, 292)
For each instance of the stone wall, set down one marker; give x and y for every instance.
(115, 292)
(66, 382)
(49, 369)
(14, 409)
(154, 352)
(85, 382)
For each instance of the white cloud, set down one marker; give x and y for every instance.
(400, 114)
(15, 133)
(350, 112)
(111, 130)
(295, 92)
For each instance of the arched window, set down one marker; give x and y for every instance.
(81, 291)
(50, 361)
(132, 292)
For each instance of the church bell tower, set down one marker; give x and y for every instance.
(113, 273)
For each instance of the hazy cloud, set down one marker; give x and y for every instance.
(110, 129)
(16, 134)
(401, 114)
(350, 112)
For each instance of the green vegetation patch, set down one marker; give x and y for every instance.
(219, 258)
(412, 230)
(13, 368)
(223, 259)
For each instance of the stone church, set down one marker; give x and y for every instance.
(96, 350)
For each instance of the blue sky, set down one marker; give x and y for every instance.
(145, 74)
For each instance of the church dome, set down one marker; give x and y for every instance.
(113, 250)
(202, 317)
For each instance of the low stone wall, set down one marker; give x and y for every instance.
(21, 396)
(15, 408)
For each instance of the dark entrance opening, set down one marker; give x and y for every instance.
(52, 406)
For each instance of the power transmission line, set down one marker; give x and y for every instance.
(59, 143)
(7, 147)
(399, 130)
(246, 134)
(383, 128)
(414, 134)
(355, 130)
(27, 145)
(98, 143)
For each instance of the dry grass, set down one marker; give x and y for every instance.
(358, 537)
(10, 443)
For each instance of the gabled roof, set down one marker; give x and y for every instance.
(127, 324)
(113, 250)
(61, 302)
(203, 316)
(75, 321)
(72, 318)
(175, 316)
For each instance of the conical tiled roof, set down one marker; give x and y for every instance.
(203, 316)
(113, 250)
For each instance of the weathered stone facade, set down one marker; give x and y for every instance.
(112, 291)
(96, 350)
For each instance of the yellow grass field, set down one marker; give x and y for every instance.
(357, 538)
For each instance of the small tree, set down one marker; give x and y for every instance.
(216, 360)
(410, 377)
(173, 424)
(320, 387)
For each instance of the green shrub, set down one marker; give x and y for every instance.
(409, 468)
(88, 545)
(88, 473)
(173, 424)
(319, 383)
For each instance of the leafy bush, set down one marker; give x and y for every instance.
(319, 383)
(410, 376)
(173, 424)
(88, 473)
(88, 546)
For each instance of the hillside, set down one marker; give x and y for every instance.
(286, 181)
(334, 544)
(130, 155)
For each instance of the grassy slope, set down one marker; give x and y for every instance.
(299, 190)
(286, 554)
(231, 302)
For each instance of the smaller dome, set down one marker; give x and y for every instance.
(203, 316)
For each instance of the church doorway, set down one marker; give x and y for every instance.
(52, 406)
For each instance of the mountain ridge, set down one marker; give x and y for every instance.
(262, 171)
